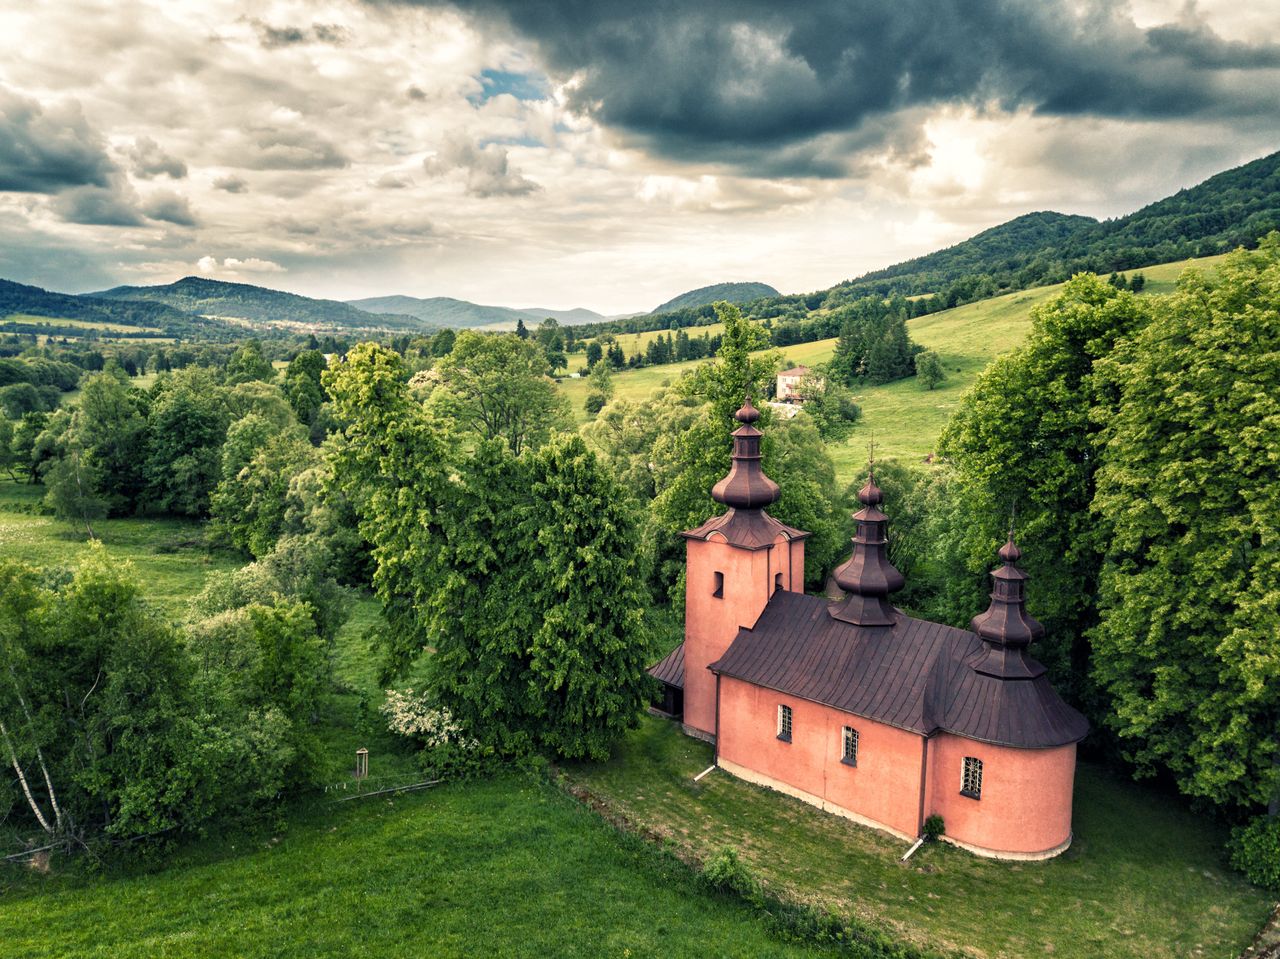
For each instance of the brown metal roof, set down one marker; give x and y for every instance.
(746, 528)
(795, 371)
(915, 675)
(670, 669)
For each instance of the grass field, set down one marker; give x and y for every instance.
(903, 418)
(27, 318)
(1143, 876)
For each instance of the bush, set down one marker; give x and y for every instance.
(1255, 851)
(933, 828)
(595, 402)
(728, 873)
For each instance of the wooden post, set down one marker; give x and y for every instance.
(362, 763)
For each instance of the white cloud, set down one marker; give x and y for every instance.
(233, 266)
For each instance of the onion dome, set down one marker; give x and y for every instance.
(868, 577)
(746, 486)
(1006, 628)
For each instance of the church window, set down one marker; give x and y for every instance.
(784, 723)
(719, 591)
(971, 778)
(849, 746)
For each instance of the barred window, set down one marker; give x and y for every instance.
(784, 723)
(971, 778)
(849, 752)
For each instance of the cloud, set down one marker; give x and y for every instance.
(98, 206)
(325, 33)
(487, 168)
(291, 148)
(148, 160)
(211, 265)
(231, 184)
(170, 207)
(691, 79)
(44, 150)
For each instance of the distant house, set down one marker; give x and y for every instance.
(789, 384)
(851, 704)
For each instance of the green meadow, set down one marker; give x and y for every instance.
(903, 418)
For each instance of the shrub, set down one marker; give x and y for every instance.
(1255, 851)
(933, 828)
(728, 873)
(595, 402)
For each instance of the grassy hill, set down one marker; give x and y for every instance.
(732, 292)
(257, 305)
(31, 306)
(903, 418)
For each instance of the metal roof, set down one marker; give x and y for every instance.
(671, 668)
(915, 675)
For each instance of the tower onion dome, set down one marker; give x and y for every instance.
(746, 486)
(1006, 628)
(868, 577)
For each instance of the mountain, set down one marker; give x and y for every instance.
(988, 250)
(35, 301)
(446, 311)
(259, 305)
(732, 292)
(1230, 209)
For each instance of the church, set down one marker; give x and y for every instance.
(853, 705)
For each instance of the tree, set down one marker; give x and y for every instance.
(442, 342)
(584, 584)
(302, 386)
(1186, 643)
(1025, 437)
(599, 388)
(248, 363)
(829, 405)
(73, 485)
(186, 429)
(929, 369)
(594, 353)
(109, 424)
(496, 386)
(249, 505)
(522, 331)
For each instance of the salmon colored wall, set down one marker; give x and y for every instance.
(885, 785)
(1026, 795)
(711, 622)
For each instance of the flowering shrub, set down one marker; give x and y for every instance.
(412, 715)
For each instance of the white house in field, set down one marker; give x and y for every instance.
(789, 384)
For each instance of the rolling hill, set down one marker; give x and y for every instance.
(447, 311)
(732, 292)
(259, 305)
(34, 301)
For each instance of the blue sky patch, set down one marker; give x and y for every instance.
(522, 86)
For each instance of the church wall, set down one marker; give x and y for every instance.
(1025, 809)
(882, 790)
(712, 622)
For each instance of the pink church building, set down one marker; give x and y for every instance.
(853, 705)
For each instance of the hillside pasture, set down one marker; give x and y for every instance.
(903, 418)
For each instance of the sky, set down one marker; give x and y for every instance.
(599, 153)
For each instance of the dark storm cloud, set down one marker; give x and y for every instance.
(693, 78)
(44, 150)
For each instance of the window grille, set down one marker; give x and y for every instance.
(849, 751)
(784, 723)
(971, 778)
(719, 585)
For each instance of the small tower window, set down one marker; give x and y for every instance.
(777, 582)
(849, 746)
(784, 723)
(971, 778)
(719, 590)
